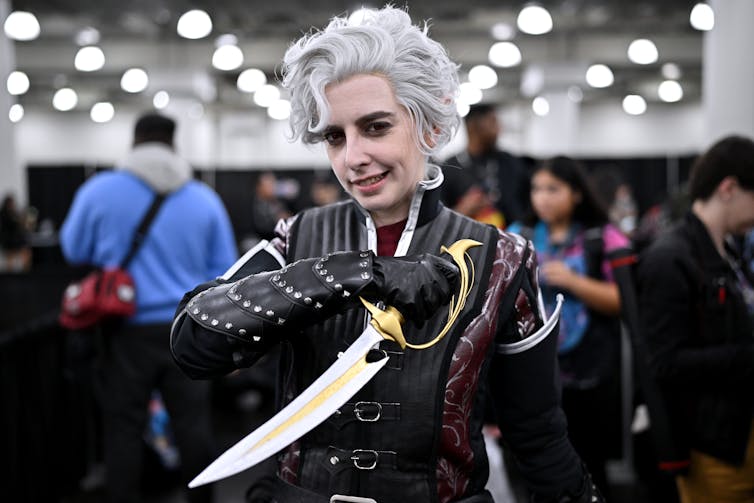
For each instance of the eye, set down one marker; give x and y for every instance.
(333, 137)
(378, 127)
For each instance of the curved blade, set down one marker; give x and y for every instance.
(323, 397)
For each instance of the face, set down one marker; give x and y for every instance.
(371, 144)
(553, 199)
(740, 210)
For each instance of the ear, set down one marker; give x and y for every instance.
(727, 187)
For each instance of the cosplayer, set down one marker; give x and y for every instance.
(380, 95)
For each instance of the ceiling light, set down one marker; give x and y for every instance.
(483, 77)
(469, 93)
(194, 24)
(227, 57)
(462, 108)
(266, 95)
(702, 17)
(250, 80)
(575, 94)
(504, 54)
(16, 113)
(89, 59)
(65, 99)
(161, 100)
(670, 91)
(642, 51)
(134, 80)
(102, 112)
(87, 36)
(21, 25)
(540, 106)
(279, 110)
(534, 20)
(502, 31)
(671, 71)
(599, 76)
(17, 83)
(633, 104)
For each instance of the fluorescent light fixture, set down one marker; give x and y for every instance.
(21, 25)
(227, 57)
(89, 59)
(534, 20)
(17, 83)
(161, 100)
(504, 54)
(102, 112)
(266, 95)
(194, 24)
(670, 91)
(642, 51)
(469, 93)
(702, 17)
(65, 99)
(134, 80)
(599, 75)
(633, 104)
(279, 110)
(540, 106)
(16, 113)
(250, 80)
(483, 77)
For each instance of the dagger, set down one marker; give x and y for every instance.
(343, 379)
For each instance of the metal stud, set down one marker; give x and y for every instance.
(241, 331)
(364, 254)
(322, 272)
(334, 460)
(330, 278)
(289, 289)
(338, 287)
(319, 265)
(276, 277)
(229, 325)
(214, 322)
(257, 309)
(281, 321)
(246, 303)
(297, 295)
(256, 338)
(308, 300)
(364, 275)
(196, 310)
(346, 293)
(237, 296)
(204, 316)
(270, 313)
(281, 284)
(364, 263)
(318, 306)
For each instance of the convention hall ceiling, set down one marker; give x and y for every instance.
(142, 33)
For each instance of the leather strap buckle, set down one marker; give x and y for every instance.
(365, 459)
(362, 411)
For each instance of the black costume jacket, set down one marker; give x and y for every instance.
(700, 339)
(413, 433)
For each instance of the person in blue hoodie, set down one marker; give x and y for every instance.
(136, 359)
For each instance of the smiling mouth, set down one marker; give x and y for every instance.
(370, 181)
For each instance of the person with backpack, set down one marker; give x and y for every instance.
(572, 237)
(697, 316)
(135, 359)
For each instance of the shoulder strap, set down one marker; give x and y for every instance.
(594, 251)
(141, 231)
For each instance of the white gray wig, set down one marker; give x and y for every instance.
(386, 43)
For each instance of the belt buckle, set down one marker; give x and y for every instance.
(359, 410)
(339, 498)
(356, 459)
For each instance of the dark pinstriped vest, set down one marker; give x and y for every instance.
(412, 434)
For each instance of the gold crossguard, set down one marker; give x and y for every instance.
(388, 322)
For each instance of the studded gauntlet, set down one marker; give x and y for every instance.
(277, 302)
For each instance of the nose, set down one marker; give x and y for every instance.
(356, 154)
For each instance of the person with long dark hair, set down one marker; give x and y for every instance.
(572, 236)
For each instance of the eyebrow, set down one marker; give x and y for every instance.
(380, 114)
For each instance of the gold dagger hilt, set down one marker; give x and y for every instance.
(388, 322)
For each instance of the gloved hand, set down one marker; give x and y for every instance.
(416, 285)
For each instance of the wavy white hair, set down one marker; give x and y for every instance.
(386, 43)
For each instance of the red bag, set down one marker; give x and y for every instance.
(101, 295)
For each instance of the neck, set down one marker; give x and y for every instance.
(711, 214)
(558, 230)
(476, 147)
